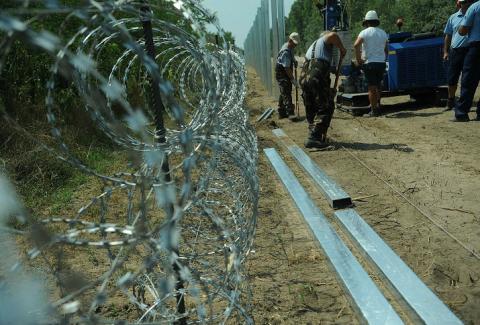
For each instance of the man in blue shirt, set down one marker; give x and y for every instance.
(284, 75)
(315, 82)
(454, 51)
(470, 26)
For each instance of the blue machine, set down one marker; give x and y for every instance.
(333, 14)
(416, 64)
(415, 67)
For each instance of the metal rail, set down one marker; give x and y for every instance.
(371, 305)
(423, 304)
(336, 197)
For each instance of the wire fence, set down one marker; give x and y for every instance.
(165, 240)
(264, 41)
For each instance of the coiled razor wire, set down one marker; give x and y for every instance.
(166, 239)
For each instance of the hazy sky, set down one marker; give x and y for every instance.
(237, 16)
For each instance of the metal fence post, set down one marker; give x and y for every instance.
(281, 22)
(264, 41)
(268, 46)
(275, 44)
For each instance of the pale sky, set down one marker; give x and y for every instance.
(237, 16)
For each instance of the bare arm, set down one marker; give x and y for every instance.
(358, 50)
(336, 41)
(446, 46)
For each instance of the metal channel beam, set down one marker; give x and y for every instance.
(371, 305)
(266, 114)
(426, 307)
(336, 197)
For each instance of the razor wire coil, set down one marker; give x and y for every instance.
(174, 239)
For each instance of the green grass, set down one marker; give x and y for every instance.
(55, 197)
(64, 195)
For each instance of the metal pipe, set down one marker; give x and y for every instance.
(159, 109)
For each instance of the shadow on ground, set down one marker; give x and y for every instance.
(371, 146)
(409, 109)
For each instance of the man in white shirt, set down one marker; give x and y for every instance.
(371, 52)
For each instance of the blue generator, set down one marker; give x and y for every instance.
(415, 67)
(416, 64)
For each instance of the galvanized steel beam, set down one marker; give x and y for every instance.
(275, 45)
(281, 22)
(370, 304)
(336, 197)
(423, 304)
(268, 48)
(266, 114)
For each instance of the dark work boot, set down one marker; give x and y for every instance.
(450, 104)
(291, 111)
(373, 112)
(317, 138)
(315, 143)
(282, 114)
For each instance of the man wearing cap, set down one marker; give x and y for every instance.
(470, 26)
(454, 50)
(284, 75)
(315, 82)
(371, 50)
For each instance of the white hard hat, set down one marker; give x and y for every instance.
(295, 37)
(371, 15)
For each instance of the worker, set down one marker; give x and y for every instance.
(470, 26)
(371, 52)
(315, 83)
(454, 50)
(284, 74)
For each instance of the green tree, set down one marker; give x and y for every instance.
(419, 16)
(306, 19)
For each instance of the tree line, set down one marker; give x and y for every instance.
(419, 16)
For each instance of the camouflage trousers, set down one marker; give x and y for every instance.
(317, 97)
(285, 103)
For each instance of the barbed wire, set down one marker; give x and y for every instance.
(166, 238)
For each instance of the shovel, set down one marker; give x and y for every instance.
(297, 108)
(296, 118)
(333, 91)
(337, 77)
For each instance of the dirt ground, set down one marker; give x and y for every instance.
(431, 161)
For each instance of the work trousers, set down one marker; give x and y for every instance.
(317, 97)
(470, 80)
(455, 64)
(285, 104)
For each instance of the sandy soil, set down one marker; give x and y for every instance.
(431, 161)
